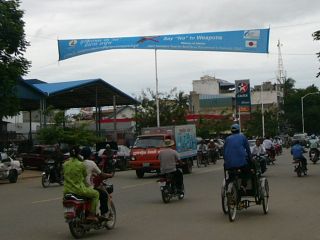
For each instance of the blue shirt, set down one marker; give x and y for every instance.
(236, 151)
(297, 151)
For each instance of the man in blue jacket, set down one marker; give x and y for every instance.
(236, 153)
(297, 153)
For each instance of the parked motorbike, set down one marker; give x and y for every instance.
(314, 155)
(299, 168)
(76, 210)
(169, 189)
(51, 175)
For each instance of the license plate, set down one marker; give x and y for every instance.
(146, 164)
(69, 209)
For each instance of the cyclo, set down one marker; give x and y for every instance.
(235, 198)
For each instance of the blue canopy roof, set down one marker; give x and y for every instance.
(75, 94)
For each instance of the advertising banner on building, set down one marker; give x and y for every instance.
(243, 99)
(251, 41)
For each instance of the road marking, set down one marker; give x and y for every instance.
(47, 200)
(137, 185)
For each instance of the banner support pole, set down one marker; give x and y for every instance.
(157, 87)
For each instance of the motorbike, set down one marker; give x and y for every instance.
(270, 157)
(76, 210)
(202, 158)
(213, 155)
(278, 149)
(50, 174)
(262, 160)
(314, 155)
(168, 188)
(299, 168)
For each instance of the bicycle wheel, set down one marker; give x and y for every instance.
(224, 198)
(232, 201)
(265, 196)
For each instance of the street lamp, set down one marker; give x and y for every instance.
(302, 117)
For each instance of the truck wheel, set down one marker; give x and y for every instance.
(188, 167)
(13, 176)
(139, 173)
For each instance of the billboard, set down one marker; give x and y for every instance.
(243, 99)
(251, 41)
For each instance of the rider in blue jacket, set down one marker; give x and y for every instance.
(236, 152)
(237, 155)
(297, 153)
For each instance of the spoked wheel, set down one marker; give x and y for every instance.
(76, 229)
(224, 198)
(45, 180)
(165, 196)
(112, 217)
(265, 196)
(232, 201)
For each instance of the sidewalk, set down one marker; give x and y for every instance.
(30, 174)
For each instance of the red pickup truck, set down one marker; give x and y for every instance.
(144, 153)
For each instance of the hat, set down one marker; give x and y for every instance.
(235, 128)
(168, 143)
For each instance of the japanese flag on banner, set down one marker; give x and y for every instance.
(251, 44)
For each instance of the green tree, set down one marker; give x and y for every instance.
(12, 63)
(173, 107)
(316, 36)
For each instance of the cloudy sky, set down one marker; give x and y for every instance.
(290, 21)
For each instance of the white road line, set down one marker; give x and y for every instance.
(47, 200)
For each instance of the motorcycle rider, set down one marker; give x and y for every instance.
(75, 174)
(169, 159)
(213, 150)
(314, 144)
(297, 153)
(268, 145)
(259, 150)
(93, 171)
(202, 148)
(237, 154)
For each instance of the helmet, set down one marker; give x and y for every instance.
(86, 152)
(235, 128)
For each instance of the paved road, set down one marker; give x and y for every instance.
(30, 212)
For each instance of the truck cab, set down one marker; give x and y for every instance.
(145, 151)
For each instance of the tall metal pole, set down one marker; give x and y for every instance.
(302, 117)
(262, 110)
(157, 92)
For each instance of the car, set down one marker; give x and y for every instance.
(39, 155)
(9, 169)
(302, 138)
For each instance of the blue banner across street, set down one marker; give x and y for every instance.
(251, 41)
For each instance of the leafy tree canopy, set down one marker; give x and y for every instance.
(12, 63)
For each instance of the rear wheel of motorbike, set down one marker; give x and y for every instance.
(165, 196)
(13, 176)
(76, 229)
(112, 217)
(45, 181)
(232, 201)
(139, 173)
(265, 197)
(299, 171)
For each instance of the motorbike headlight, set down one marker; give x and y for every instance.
(133, 158)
